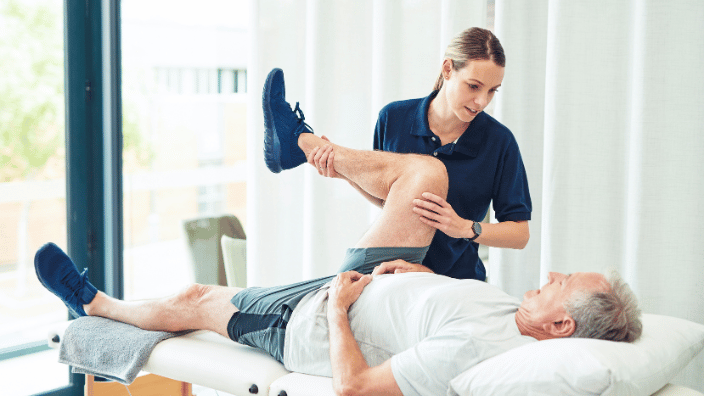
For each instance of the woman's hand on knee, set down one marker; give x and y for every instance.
(437, 213)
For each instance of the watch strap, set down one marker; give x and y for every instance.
(477, 229)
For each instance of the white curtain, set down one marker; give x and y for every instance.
(343, 61)
(606, 102)
(604, 98)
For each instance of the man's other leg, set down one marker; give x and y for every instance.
(198, 307)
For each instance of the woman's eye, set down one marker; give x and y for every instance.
(473, 86)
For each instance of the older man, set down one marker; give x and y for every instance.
(398, 329)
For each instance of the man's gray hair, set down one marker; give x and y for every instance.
(607, 315)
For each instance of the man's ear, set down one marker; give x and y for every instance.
(562, 328)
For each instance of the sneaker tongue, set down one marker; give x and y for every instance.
(84, 291)
(87, 291)
(85, 296)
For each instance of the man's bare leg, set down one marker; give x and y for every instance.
(395, 178)
(198, 307)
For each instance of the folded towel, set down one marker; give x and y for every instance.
(106, 348)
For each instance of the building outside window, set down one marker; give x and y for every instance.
(184, 107)
(184, 127)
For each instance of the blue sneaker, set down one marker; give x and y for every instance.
(57, 272)
(282, 126)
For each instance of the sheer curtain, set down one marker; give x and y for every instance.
(343, 61)
(605, 101)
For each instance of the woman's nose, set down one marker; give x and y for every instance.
(482, 100)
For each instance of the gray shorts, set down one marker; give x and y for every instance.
(265, 311)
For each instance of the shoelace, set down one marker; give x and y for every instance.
(301, 116)
(73, 298)
(299, 112)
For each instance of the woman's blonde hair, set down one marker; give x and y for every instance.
(473, 44)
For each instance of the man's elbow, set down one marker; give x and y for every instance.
(356, 386)
(346, 389)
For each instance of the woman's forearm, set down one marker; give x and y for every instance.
(507, 234)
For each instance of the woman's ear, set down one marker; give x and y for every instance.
(447, 68)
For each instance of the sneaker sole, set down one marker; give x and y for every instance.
(272, 146)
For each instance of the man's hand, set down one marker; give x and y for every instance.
(345, 289)
(351, 375)
(399, 266)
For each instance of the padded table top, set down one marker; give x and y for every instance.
(208, 359)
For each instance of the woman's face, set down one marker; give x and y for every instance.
(470, 89)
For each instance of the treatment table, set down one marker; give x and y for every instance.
(210, 360)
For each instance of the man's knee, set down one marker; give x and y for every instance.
(431, 174)
(194, 295)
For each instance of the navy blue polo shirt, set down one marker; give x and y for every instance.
(483, 166)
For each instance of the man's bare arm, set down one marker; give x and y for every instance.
(350, 373)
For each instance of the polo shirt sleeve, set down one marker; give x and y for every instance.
(511, 198)
(380, 129)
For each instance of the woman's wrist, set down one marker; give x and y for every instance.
(474, 230)
(468, 232)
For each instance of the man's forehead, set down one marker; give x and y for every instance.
(587, 279)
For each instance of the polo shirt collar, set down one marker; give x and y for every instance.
(420, 126)
(467, 144)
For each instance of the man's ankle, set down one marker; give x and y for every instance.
(304, 142)
(91, 307)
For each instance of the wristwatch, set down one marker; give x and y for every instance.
(477, 228)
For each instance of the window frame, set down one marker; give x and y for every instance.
(92, 75)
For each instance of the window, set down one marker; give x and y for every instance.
(32, 185)
(184, 127)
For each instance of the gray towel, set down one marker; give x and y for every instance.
(107, 348)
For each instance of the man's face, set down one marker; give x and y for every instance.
(547, 304)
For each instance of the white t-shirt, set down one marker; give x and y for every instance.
(432, 327)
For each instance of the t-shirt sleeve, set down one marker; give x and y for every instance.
(511, 198)
(428, 367)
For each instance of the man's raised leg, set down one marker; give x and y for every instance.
(395, 178)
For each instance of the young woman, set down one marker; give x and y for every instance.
(481, 155)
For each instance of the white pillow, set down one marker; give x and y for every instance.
(574, 366)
